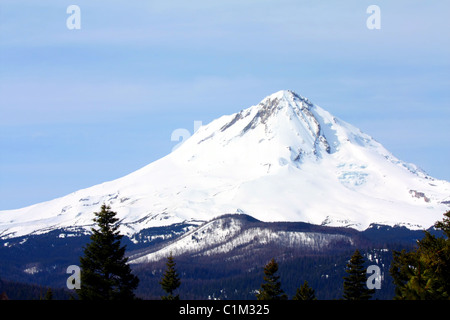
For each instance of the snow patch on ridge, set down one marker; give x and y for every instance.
(223, 235)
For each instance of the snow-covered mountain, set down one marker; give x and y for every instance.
(284, 159)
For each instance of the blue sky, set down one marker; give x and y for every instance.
(80, 107)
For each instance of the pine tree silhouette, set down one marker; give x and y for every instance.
(105, 274)
(171, 281)
(355, 287)
(424, 273)
(271, 288)
(305, 292)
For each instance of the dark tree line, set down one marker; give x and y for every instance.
(423, 273)
(354, 283)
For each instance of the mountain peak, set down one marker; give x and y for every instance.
(285, 95)
(282, 121)
(287, 100)
(281, 95)
(284, 99)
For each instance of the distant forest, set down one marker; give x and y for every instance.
(410, 269)
(232, 280)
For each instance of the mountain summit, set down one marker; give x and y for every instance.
(284, 159)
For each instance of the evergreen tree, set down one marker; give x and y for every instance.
(271, 288)
(305, 292)
(49, 294)
(424, 273)
(105, 274)
(355, 287)
(171, 281)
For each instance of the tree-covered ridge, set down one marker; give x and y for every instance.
(407, 272)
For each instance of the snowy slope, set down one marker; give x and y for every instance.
(226, 233)
(284, 159)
